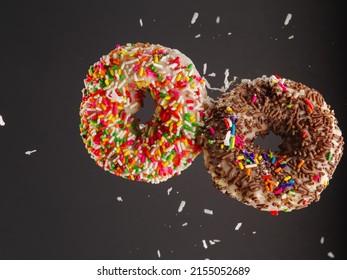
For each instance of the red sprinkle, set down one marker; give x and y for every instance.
(304, 134)
(266, 176)
(309, 103)
(274, 212)
(226, 123)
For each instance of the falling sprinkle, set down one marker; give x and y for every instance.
(291, 37)
(141, 23)
(119, 198)
(30, 152)
(184, 224)
(182, 204)
(169, 190)
(197, 35)
(2, 123)
(288, 18)
(254, 232)
(213, 74)
(158, 252)
(204, 244)
(227, 83)
(331, 255)
(194, 18)
(322, 240)
(229, 33)
(218, 19)
(238, 226)
(208, 211)
(204, 69)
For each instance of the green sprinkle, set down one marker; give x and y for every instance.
(291, 192)
(190, 66)
(149, 176)
(114, 67)
(289, 106)
(191, 79)
(171, 140)
(271, 155)
(329, 156)
(90, 71)
(121, 77)
(187, 127)
(108, 146)
(163, 95)
(210, 141)
(195, 124)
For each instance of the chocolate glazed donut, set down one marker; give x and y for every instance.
(283, 180)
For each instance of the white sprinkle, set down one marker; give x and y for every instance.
(331, 255)
(204, 244)
(2, 123)
(211, 242)
(226, 82)
(141, 23)
(30, 152)
(227, 138)
(213, 74)
(229, 33)
(322, 240)
(290, 37)
(169, 190)
(251, 165)
(119, 198)
(197, 35)
(194, 18)
(288, 18)
(184, 224)
(204, 69)
(208, 211)
(254, 232)
(182, 204)
(238, 226)
(218, 19)
(158, 252)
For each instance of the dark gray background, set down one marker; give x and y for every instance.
(57, 204)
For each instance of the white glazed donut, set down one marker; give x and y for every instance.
(114, 90)
(283, 180)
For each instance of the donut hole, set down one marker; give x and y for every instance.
(270, 142)
(145, 113)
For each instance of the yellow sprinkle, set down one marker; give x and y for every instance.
(103, 106)
(179, 123)
(287, 178)
(241, 165)
(169, 121)
(117, 116)
(139, 84)
(192, 118)
(141, 71)
(156, 59)
(136, 152)
(256, 161)
(101, 116)
(171, 127)
(222, 146)
(167, 98)
(229, 109)
(118, 150)
(260, 158)
(127, 153)
(105, 139)
(107, 82)
(240, 157)
(192, 85)
(179, 76)
(132, 177)
(110, 117)
(185, 142)
(166, 163)
(187, 78)
(325, 183)
(232, 143)
(119, 71)
(111, 72)
(119, 107)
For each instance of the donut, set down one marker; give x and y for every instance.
(291, 177)
(115, 88)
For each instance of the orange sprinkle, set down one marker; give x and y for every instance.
(178, 108)
(278, 169)
(248, 171)
(267, 188)
(271, 182)
(301, 163)
(309, 110)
